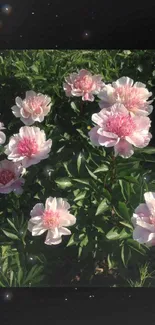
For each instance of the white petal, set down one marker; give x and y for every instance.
(37, 210)
(2, 137)
(64, 231)
(51, 241)
(38, 230)
(51, 204)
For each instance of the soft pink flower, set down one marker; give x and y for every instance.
(2, 135)
(133, 96)
(117, 128)
(83, 84)
(144, 221)
(29, 146)
(10, 177)
(33, 108)
(53, 218)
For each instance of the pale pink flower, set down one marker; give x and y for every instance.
(29, 146)
(133, 96)
(144, 221)
(117, 128)
(2, 135)
(83, 84)
(10, 177)
(33, 108)
(53, 218)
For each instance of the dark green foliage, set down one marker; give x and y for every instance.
(103, 192)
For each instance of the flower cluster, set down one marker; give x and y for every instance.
(27, 148)
(122, 123)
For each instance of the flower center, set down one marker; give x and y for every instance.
(27, 147)
(35, 104)
(131, 97)
(50, 219)
(85, 83)
(6, 176)
(120, 124)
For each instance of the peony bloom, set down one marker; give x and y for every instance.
(83, 84)
(10, 179)
(33, 108)
(133, 96)
(144, 221)
(29, 146)
(53, 218)
(117, 128)
(2, 135)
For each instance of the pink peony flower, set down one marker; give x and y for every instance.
(117, 128)
(54, 219)
(144, 221)
(29, 146)
(10, 179)
(2, 135)
(83, 84)
(33, 108)
(133, 96)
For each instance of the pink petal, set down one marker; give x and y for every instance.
(150, 201)
(107, 142)
(94, 136)
(16, 110)
(142, 209)
(38, 230)
(123, 149)
(141, 235)
(37, 210)
(52, 241)
(123, 81)
(51, 204)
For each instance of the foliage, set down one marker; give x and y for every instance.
(102, 191)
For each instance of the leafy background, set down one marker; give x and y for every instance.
(103, 192)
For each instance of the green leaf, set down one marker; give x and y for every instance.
(35, 271)
(103, 206)
(126, 224)
(130, 179)
(82, 181)
(74, 107)
(124, 211)
(80, 196)
(106, 194)
(114, 234)
(148, 150)
(84, 241)
(125, 254)
(99, 229)
(10, 235)
(90, 173)
(63, 182)
(136, 246)
(102, 168)
(79, 159)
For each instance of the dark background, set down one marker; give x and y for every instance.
(77, 24)
(112, 306)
